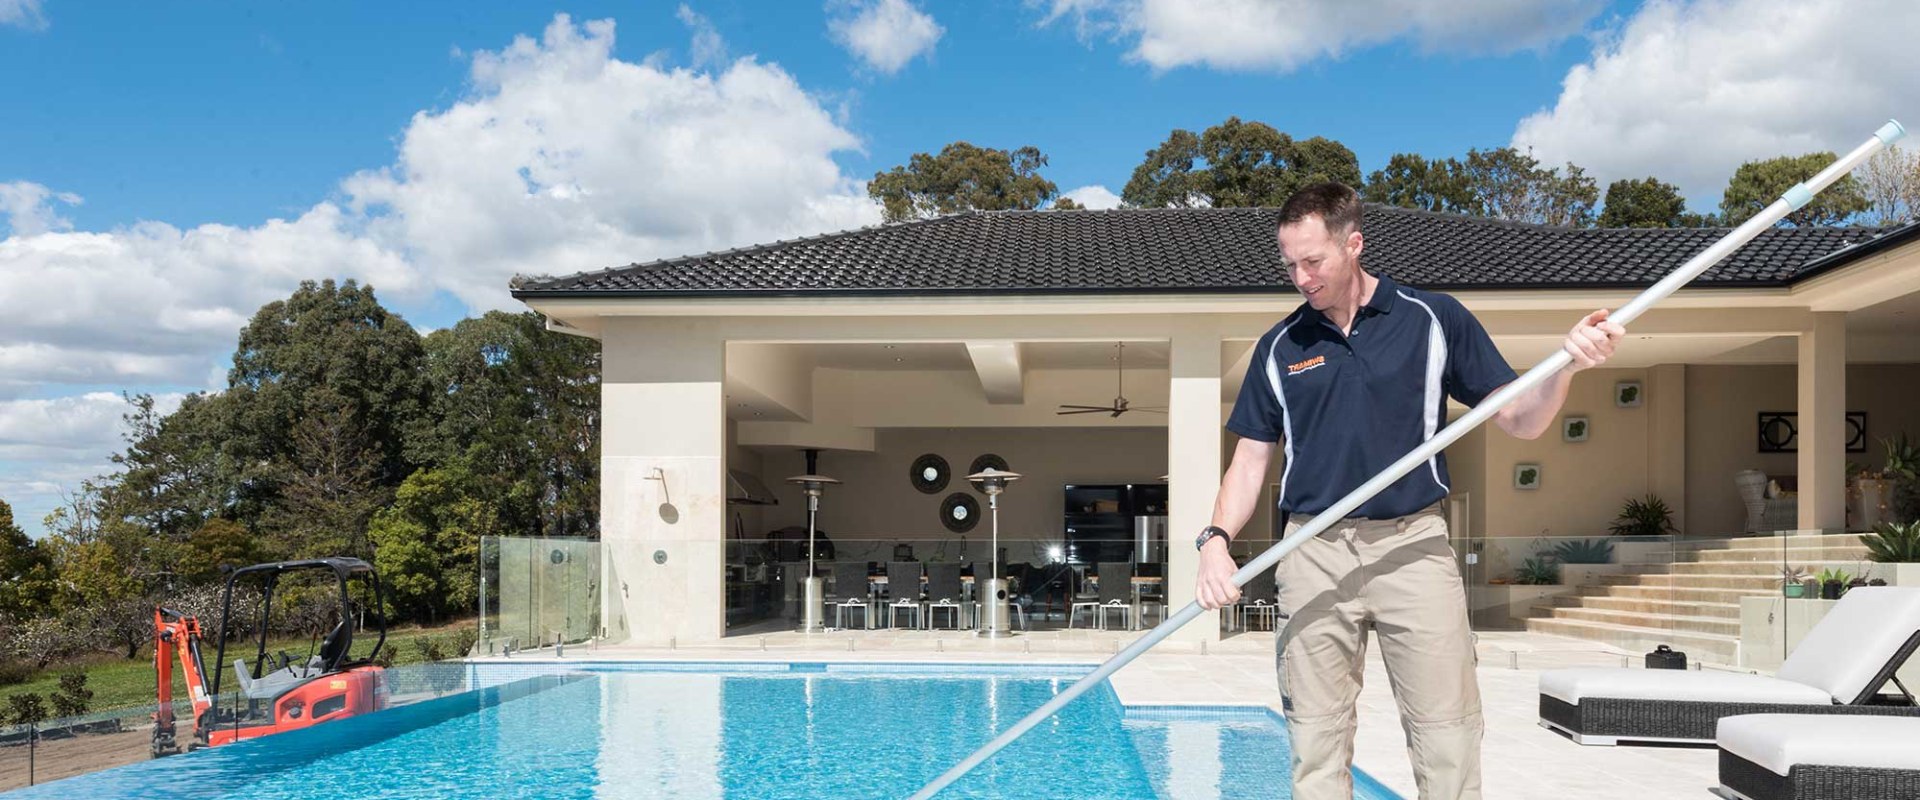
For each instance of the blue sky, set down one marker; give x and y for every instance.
(237, 113)
(167, 168)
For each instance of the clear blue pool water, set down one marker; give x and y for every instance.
(809, 731)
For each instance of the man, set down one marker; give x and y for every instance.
(1354, 379)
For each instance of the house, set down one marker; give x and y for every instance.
(961, 336)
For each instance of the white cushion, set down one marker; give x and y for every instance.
(1779, 741)
(1571, 685)
(1855, 640)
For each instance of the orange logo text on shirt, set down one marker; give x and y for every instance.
(1295, 369)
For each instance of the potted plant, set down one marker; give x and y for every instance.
(1649, 517)
(1793, 581)
(1833, 583)
(1875, 493)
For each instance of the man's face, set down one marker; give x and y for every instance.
(1323, 267)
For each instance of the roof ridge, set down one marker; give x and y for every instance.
(752, 248)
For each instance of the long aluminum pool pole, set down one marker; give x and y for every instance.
(1794, 198)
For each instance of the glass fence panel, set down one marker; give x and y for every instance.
(538, 591)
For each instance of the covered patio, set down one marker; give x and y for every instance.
(872, 356)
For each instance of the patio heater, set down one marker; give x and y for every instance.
(813, 603)
(993, 609)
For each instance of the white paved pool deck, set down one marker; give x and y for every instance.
(1520, 759)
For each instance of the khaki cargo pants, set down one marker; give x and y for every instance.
(1398, 578)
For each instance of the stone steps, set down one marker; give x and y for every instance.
(1772, 542)
(1689, 597)
(1789, 554)
(1705, 647)
(1770, 568)
(1717, 626)
(1677, 594)
(1752, 583)
(1639, 605)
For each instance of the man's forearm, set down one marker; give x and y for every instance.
(1239, 495)
(1532, 413)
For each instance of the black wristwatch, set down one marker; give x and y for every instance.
(1209, 532)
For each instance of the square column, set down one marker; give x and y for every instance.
(662, 484)
(1821, 435)
(1193, 469)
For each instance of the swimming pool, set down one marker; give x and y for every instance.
(738, 730)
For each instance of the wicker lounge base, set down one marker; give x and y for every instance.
(1607, 721)
(1880, 760)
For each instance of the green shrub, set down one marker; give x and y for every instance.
(1649, 517)
(1537, 571)
(1584, 551)
(74, 698)
(1892, 543)
(26, 709)
(12, 672)
(464, 640)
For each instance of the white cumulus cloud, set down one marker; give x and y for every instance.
(1096, 197)
(707, 48)
(22, 13)
(151, 304)
(884, 34)
(1283, 35)
(29, 208)
(1688, 91)
(48, 446)
(566, 159)
(558, 157)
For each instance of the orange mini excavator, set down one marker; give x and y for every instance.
(274, 696)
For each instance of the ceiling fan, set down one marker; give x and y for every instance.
(1120, 404)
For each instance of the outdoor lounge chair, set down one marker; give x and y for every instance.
(1819, 757)
(1116, 592)
(1839, 668)
(851, 592)
(944, 591)
(1259, 598)
(903, 585)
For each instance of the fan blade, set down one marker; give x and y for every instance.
(1090, 408)
(1087, 411)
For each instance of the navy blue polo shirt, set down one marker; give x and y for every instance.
(1348, 406)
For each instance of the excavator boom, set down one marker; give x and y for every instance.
(176, 636)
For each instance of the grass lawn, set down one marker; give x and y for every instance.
(124, 683)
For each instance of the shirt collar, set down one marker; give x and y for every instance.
(1381, 302)
(1383, 295)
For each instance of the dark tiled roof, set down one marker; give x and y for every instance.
(1207, 250)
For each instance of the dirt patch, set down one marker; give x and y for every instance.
(67, 756)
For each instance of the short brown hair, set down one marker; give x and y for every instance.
(1336, 204)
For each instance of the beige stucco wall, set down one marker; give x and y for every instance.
(1721, 436)
(1582, 484)
(1467, 469)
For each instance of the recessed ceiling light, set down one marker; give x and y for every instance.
(897, 359)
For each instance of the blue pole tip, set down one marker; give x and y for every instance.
(1891, 132)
